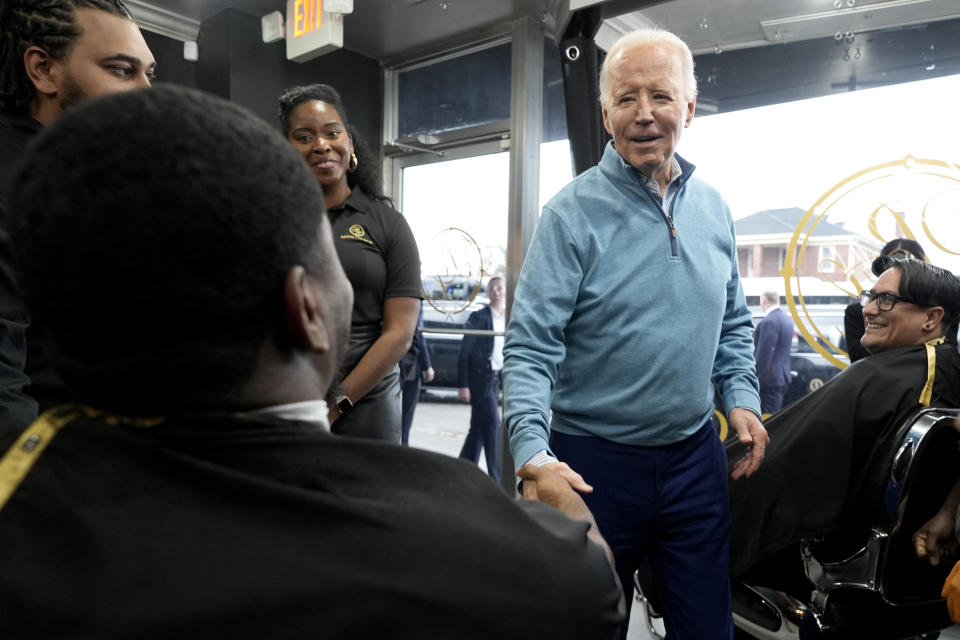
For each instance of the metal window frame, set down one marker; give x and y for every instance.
(523, 138)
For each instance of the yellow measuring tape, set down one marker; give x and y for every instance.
(20, 458)
(927, 394)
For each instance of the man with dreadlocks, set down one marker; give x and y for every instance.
(53, 54)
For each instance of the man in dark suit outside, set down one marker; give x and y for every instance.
(478, 373)
(772, 339)
(415, 369)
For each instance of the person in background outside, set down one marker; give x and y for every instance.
(478, 372)
(853, 314)
(54, 54)
(772, 340)
(376, 249)
(415, 369)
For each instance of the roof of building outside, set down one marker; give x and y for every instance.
(774, 221)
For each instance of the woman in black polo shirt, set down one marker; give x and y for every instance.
(377, 251)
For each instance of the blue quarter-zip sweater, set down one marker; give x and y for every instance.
(624, 316)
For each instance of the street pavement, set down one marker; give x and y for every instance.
(440, 422)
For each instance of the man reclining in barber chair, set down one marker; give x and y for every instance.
(829, 460)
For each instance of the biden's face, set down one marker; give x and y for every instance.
(647, 106)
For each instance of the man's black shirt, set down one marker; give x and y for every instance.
(27, 376)
(248, 526)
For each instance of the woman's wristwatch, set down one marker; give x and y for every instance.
(344, 404)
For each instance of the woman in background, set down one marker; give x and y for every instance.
(479, 367)
(377, 251)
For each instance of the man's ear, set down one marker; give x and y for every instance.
(303, 312)
(43, 70)
(691, 109)
(934, 317)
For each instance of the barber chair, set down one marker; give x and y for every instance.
(871, 586)
(864, 586)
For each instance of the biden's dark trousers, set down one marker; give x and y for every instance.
(670, 505)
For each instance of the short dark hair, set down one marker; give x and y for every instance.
(882, 262)
(48, 24)
(930, 285)
(909, 245)
(367, 175)
(153, 231)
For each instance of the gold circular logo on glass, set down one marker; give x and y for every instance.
(909, 198)
(456, 285)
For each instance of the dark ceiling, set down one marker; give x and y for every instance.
(386, 29)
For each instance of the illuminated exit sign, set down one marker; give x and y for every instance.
(311, 30)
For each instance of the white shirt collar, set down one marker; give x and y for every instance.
(675, 172)
(314, 411)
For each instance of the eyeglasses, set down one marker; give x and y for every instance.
(885, 300)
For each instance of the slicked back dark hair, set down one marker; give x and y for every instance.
(367, 174)
(48, 24)
(152, 233)
(930, 285)
(904, 244)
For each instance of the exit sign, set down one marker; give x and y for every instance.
(312, 29)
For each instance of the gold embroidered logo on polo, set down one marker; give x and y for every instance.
(357, 232)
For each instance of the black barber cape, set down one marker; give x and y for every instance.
(830, 452)
(254, 527)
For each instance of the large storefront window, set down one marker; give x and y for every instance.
(828, 158)
(456, 200)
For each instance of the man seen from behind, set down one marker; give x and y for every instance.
(176, 247)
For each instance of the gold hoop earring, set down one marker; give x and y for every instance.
(353, 162)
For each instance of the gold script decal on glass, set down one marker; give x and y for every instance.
(916, 198)
(457, 282)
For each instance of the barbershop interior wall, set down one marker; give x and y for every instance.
(171, 67)
(237, 65)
